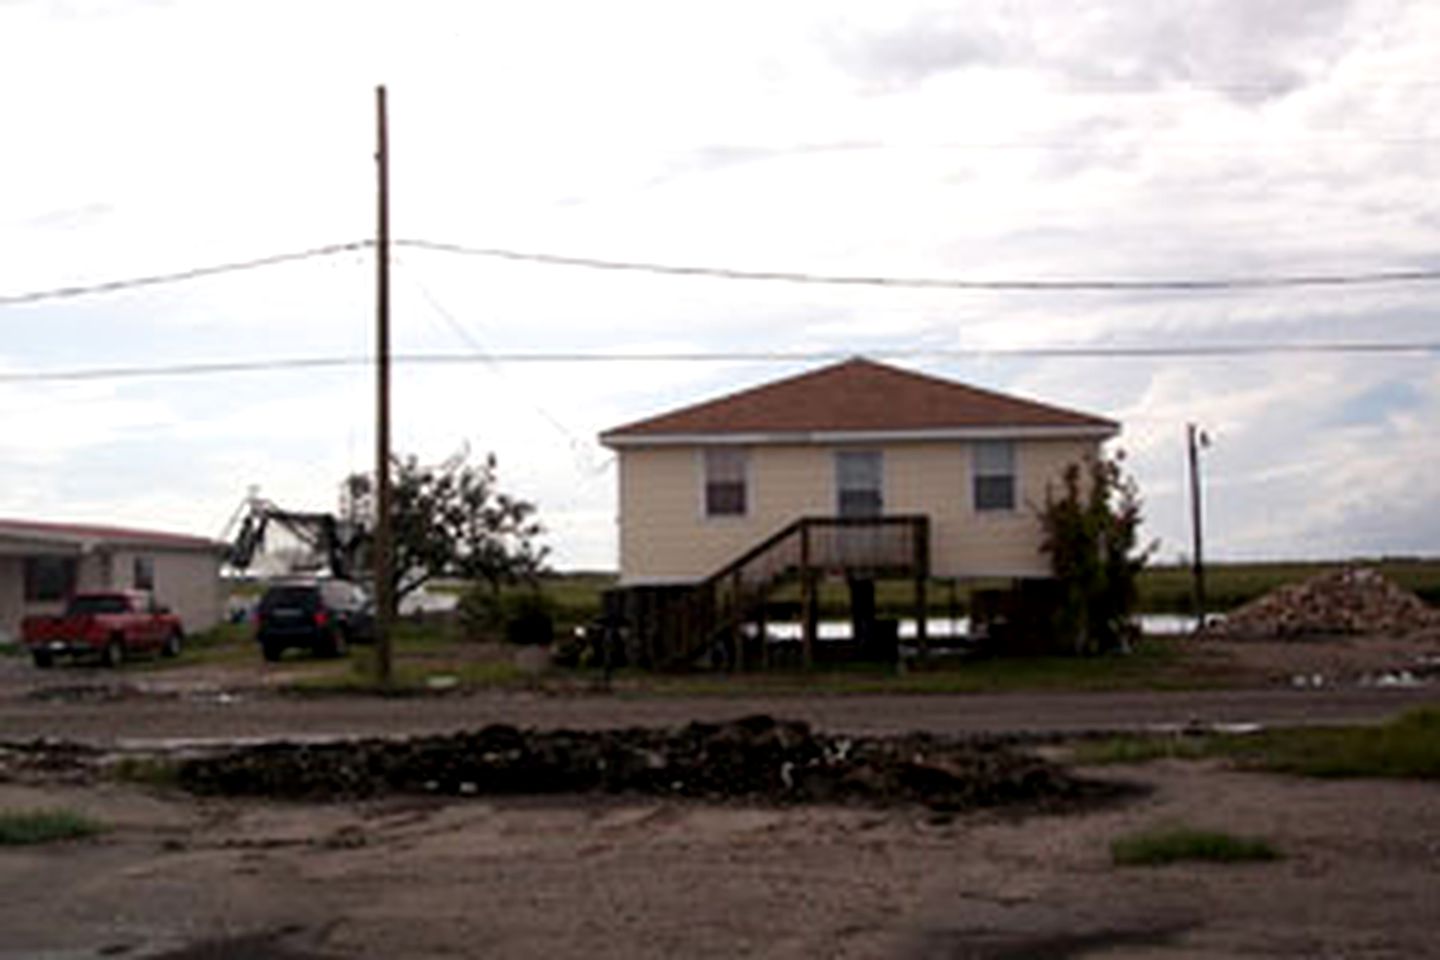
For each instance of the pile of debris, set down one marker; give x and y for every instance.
(49, 761)
(757, 759)
(1353, 600)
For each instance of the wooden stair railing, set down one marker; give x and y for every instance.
(719, 606)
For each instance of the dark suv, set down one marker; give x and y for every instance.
(323, 616)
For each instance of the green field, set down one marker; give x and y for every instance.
(575, 598)
(1163, 588)
(434, 646)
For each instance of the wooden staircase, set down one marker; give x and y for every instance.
(723, 618)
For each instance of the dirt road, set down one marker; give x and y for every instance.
(241, 700)
(125, 714)
(182, 879)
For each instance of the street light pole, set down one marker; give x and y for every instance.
(1195, 439)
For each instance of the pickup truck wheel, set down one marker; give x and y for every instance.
(172, 645)
(114, 653)
(43, 659)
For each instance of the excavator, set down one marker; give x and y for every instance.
(332, 546)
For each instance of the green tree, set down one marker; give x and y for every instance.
(1091, 525)
(452, 519)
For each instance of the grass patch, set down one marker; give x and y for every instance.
(147, 771)
(28, 827)
(1407, 747)
(225, 643)
(413, 676)
(1155, 664)
(1162, 845)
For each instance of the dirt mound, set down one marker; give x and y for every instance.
(1349, 601)
(757, 759)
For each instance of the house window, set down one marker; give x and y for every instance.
(859, 483)
(726, 482)
(48, 579)
(143, 577)
(994, 474)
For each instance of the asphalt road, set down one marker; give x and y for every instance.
(141, 719)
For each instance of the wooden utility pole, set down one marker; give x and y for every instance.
(384, 594)
(1195, 439)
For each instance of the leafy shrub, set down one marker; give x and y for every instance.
(523, 616)
(1090, 527)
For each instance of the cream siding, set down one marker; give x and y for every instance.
(665, 536)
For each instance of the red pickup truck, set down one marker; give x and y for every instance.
(111, 625)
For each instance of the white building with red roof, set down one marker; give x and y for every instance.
(43, 564)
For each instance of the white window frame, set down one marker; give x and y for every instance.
(879, 456)
(708, 456)
(979, 472)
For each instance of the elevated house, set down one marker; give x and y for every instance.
(857, 470)
(43, 564)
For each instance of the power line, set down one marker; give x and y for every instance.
(111, 286)
(580, 450)
(939, 283)
(197, 368)
(1040, 285)
(206, 368)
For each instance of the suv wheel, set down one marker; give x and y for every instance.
(271, 651)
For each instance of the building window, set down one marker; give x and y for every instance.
(726, 482)
(994, 474)
(49, 579)
(144, 573)
(859, 483)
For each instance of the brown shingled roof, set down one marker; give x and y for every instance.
(858, 395)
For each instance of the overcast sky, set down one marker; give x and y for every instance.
(984, 140)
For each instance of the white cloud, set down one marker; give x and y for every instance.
(1121, 139)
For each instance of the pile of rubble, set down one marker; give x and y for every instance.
(757, 759)
(1349, 601)
(48, 761)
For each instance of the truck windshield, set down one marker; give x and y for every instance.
(97, 604)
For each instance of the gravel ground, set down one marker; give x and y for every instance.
(1274, 683)
(624, 877)
(628, 878)
(138, 720)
